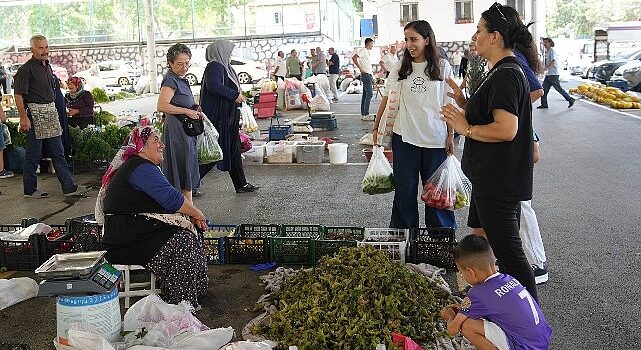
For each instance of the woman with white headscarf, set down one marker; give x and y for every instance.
(220, 94)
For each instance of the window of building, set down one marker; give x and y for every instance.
(464, 11)
(518, 5)
(409, 13)
(277, 18)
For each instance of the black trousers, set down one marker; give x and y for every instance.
(500, 220)
(236, 171)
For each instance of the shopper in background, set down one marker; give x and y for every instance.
(552, 75)
(334, 72)
(220, 94)
(362, 60)
(180, 164)
(389, 60)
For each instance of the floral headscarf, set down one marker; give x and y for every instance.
(137, 140)
(77, 82)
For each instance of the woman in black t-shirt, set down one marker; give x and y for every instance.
(497, 123)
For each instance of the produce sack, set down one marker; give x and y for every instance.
(208, 149)
(292, 94)
(386, 124)
(379, 177)
(448, 188)
(249, 124)
(320, 102)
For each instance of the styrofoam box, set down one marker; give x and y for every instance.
(256, 155)
(280, 151)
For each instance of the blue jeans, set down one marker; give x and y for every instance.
(32, 159)
(409, 162)
(368, 93)
(553, 81)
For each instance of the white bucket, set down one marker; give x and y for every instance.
(337, 153)
(101, 312)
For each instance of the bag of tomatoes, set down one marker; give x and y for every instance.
(448, 188)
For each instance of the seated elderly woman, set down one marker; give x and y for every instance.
(79, 103)
(148, 222)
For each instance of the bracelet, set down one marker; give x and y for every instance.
(468, 132)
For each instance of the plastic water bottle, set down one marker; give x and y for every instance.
(380, 347)
(293, 347)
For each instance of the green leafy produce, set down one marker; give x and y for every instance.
(115, 136)
(104, 118)
(97, 146)
(18, 139)
(211, 154)
(375, 184)
(99, 95)
(354, 300)
(122, 95)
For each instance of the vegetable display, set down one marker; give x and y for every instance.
(354, 300)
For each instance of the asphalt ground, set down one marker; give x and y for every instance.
(586, 191)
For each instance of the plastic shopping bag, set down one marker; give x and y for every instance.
(379, 177)
(209, 150)
(249, 124)
(245, 142)
(448, 188)
(386, 124)
(405, 343)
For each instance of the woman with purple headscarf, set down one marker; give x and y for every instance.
(149, 222)
(220, 94)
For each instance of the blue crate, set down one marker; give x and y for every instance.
(279, 132)
(323, 124)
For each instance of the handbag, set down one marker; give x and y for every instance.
(192, 127)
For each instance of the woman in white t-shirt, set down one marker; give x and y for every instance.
(421, 139)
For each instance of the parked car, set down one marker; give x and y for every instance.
(248, 71)
(59, 71)
(631, 72)
(603, 70)
(112, 72)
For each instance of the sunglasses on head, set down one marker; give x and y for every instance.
(498, 7)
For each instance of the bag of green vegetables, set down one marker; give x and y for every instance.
(378, 177)
(209, 150)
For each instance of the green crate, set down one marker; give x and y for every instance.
(291, 250)
(258, 230)
(245, 250)
(343, 233)
(306, 231)
(321, 248)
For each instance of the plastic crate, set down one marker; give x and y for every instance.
(321, 248)
(324, 124)
(434, 246)
(256, 155)
(280, 151)
(310, 152)
(219, 231)
(386, 235)
(264, 97)
(343, 233)
(258, 230)
(279, 132)
(29, 255)
(394, 250)
(215, 250)
(290, 250)
(245, 250)
(306, 231)
(86, 233)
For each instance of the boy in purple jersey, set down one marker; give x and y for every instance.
(498, 312)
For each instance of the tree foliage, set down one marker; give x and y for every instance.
(580, 17)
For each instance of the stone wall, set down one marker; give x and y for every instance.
(77, 59)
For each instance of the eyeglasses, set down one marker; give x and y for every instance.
(182, 64)
(498, 6)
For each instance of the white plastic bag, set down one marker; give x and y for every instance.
(447, 188)
(81, 337)
(151, 309)
(249, 124)
(208, 148)
(379, 177)
(320, 102)
(248, 345)
(367, 139)
(15, 290)
(210, 339)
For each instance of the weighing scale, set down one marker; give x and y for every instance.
(77, 274)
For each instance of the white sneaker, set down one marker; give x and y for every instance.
(368, 118)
